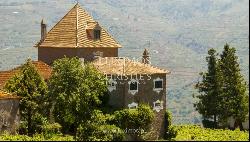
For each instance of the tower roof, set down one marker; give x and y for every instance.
(70, 32)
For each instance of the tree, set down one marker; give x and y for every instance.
(170, 131)
(235, 99)
(75, 91)
(136, 122)
(210, 89)
(32, 88)
(97, 128)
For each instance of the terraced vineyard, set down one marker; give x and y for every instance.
(196, 133)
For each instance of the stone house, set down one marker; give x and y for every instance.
(9, 112)
(130, 82)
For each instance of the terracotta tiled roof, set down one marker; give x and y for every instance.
(43, 69)
(5, 95)
(91, 25)
(70, 32)
(125, 66)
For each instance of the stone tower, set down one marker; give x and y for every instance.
(77, 34)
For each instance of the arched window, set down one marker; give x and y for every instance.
(158, 85)
(133, 86)
(158, 105)
(111, 85)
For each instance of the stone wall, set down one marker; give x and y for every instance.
(121, 97)
(9, 115)
(48, 55)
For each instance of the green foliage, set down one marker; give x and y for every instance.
(138, 119)
(36, 137)
(32, 88)
(49, 130)
(235, 99)
(98, 129)
(210, 89)
(75, 91)
(223, 91)
(208, 124)
(100, 133)
(170, 132)
(168, 118)
(196, 133)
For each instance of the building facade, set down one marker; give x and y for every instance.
(130, 82)
(9, 112)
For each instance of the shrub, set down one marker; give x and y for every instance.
(209, 124)
(93, 132)
(170, 132)
(49, 130)
(36, 137)
(135, 122)
(38, 122)
(97, 128)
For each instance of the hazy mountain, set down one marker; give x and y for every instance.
(177, 33)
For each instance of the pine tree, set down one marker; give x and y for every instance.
(32, 88)
(210, 89)
(235, 99)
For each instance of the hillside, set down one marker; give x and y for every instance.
(177, 33)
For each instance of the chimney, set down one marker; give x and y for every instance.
(43, 30)
(145, 57)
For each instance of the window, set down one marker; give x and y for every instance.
(133, 86)
(158, 105)
(97, 34)
(111, 85)
(133, 105)
(158, 84)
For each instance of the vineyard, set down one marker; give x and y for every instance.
(37, 137)
(197, 133)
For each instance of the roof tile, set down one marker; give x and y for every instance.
(125, 66)
(43, 69)
(5, 95)
(70, 32)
